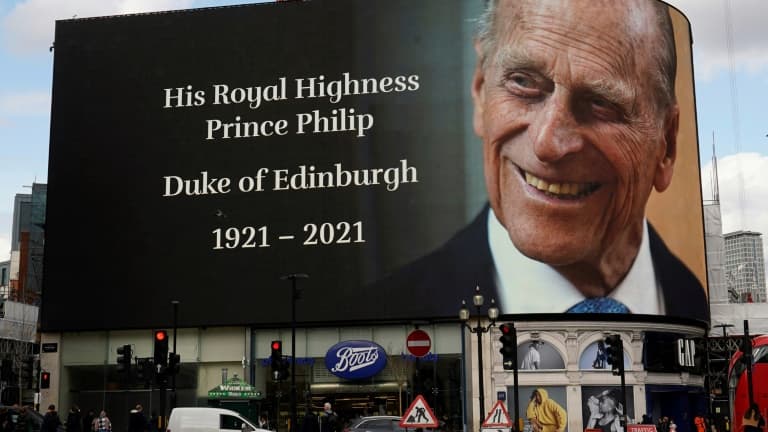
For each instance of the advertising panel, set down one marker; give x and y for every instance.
(387, 148)
(602, 407)
(536, 355)
(540, 407)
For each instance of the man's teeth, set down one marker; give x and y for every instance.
(561, 189)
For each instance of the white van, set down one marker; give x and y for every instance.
(209, 420)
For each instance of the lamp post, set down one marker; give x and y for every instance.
(479, 329)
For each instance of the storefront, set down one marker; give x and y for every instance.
(567, 361)
(84, 372)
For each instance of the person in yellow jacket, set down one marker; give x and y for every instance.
(545, 414)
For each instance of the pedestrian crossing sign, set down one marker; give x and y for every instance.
(498, 417)
(418, 415)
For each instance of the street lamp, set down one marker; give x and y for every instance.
(479, 329)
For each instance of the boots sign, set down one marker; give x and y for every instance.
(355, 359)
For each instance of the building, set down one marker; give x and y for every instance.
(5, 278)
(745, 267)
(165, 231)
(21, 279)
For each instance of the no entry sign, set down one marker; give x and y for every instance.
(418, 343)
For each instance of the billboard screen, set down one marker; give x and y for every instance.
(386, 148)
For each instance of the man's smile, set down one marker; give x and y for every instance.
(560, 190)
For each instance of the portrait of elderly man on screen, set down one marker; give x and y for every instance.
(574, 102)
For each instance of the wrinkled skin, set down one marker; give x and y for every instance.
(564, 95)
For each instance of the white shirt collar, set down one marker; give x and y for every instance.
(529, 286)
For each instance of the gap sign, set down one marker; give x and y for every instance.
(418, 343)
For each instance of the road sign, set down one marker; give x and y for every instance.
(496, 430)
(418, 343)
(498, 417)
(419, 415)
(641, 428)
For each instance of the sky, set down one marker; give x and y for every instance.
(731, 90)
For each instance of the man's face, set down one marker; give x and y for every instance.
(573, 141)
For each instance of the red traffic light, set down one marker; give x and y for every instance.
(45, 380)
(505, 328)
(161, 335)
(277, 345)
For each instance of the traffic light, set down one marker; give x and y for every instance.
(285, 369)
(161, 349)
(29, 371)
(45, 380)
(174, 362)
(614, 348)
(276, 360)
(143, 373)
(27, 366)
(124, 356)
(508, 349)
(35, 372)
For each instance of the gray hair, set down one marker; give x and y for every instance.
(665, 56)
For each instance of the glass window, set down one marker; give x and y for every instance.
(377, 424)
(230, 422)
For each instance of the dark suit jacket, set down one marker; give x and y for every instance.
(434, 285)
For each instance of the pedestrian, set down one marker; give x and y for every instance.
(51, 421)
(11, 419)
(263, 422)
(753, 421)
(74, 419)
(310, 422)
(328, 420)
(24, 422)
(88, 421)
(663, 424)
(154, 422)
(137, 421)
(102, 423)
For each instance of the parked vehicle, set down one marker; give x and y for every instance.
(375, 424)
(203, 419)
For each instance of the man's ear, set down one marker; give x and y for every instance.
(666, 164)
(478, 96)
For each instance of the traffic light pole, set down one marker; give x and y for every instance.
(161, 383)
(175, 304)
(748, 360)
(516, 396)
(623, 417)
(294, 297)
(294, 416)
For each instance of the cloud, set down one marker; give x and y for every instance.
(29, 27)
(743, 180)
(24, 103)
(710, 47)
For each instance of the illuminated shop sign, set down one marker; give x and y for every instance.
(355, 359)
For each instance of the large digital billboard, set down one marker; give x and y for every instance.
(400, 153)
